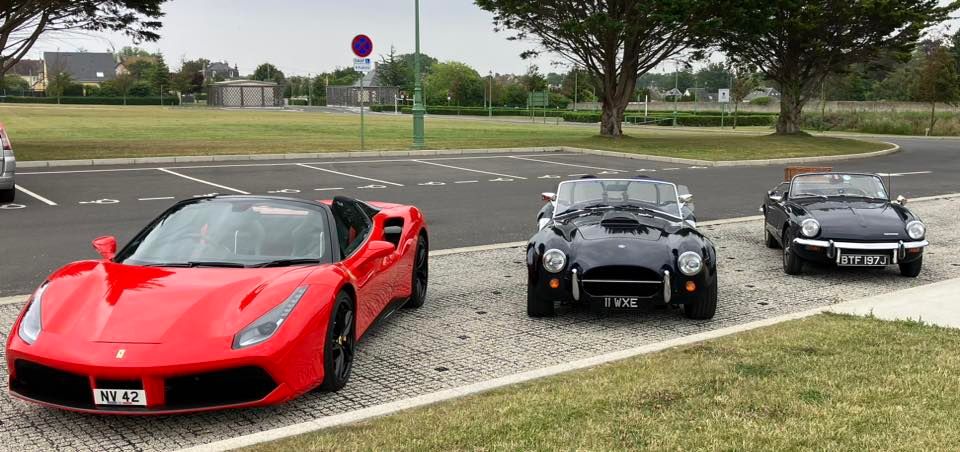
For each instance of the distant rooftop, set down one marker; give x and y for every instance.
(82, 66)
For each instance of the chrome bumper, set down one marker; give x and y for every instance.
(834, 249)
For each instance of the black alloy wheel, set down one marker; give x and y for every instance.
(340, 345)
(421, 273)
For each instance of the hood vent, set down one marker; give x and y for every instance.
(619, 220)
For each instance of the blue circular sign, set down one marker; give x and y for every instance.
(362, 46)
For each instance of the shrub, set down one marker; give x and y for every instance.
(761, 101)
(891, 123)
(90, 100)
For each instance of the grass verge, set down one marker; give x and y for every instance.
(828, 382)
(41, 132)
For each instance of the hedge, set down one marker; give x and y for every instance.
(471, 111)
(683, 119)
(90, 100)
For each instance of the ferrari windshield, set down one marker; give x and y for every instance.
(827, 185)
(595, 194)
(233, 232)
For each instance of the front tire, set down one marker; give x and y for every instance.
(7, 196)
(706, 307)
(420, 275)
(911, 269)
(792, 264)
(339, 347)
(536, 306)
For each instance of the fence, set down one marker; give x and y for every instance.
(245, 96)
(813, 105)
(349, 96)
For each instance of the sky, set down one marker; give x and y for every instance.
(310, 36)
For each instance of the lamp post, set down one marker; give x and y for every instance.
(576, 86)
(418, 109)
(490, 98)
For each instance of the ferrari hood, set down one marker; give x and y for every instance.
(857, 219)
(107, 302)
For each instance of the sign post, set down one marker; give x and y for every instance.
(723, 96)
(362, 47)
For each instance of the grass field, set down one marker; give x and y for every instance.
(41, 132)
(824, 383)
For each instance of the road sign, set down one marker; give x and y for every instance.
(362, 46)
(362, 64)
(538, 99)
(723, 96)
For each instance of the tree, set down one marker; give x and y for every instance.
(615, 40)
(58, 83)
(936, 80)
(797, 43)
(22, 22)
(457, 80)
(129, 52)
(533, 80)
(744, 82)
(123, 83)
(268, 72)
(392, 71)
(158, 76)
(580, 81)
(713, 77)
(14, 83)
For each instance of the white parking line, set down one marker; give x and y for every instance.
(328, 189)
(203, 181)
(903, 174)
(566, 164)
(349, 175)
(466, 181)
(467, 169)
(41, 198)
(155, 199)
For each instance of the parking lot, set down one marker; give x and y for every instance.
(471, 199)
(475, 328)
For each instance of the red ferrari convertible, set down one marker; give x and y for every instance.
(220, 302)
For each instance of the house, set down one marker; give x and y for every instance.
(763, 92)
(29, 70)
(218, 71)
(700, 94)
(85, 68)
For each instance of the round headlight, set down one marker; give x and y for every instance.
(554, 260)
(690, 263)
(810, 227)
(916, 230)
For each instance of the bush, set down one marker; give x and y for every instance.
(691, 119)
(474, 111)
(891, 123)
(761, 101)
(90, 100)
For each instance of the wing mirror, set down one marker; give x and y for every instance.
(686, 199)
(106, 246)
(775, 197)
(901, 200)
(378, 249)
(547, 196)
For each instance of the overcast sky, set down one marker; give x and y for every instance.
(310, 36)
(303, 36)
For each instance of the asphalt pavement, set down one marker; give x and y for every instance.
(468, 199)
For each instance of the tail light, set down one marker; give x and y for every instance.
(7, 147)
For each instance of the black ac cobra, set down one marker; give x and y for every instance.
(613, 244)
(844, 219)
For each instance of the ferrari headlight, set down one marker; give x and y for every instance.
(810, 227)
(554, 260)
(268, 324)
(30, 326)
(690, 263)
(916, 230)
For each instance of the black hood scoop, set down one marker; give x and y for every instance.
(619, 220)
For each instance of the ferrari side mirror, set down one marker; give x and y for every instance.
(901, 200)
(106, 246)
(547, 196)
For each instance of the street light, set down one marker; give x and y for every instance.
(418, 109)
(490, 99)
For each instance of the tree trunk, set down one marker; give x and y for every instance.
(791, 107)
(933, 117)
(611, 119)
(736, 111)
